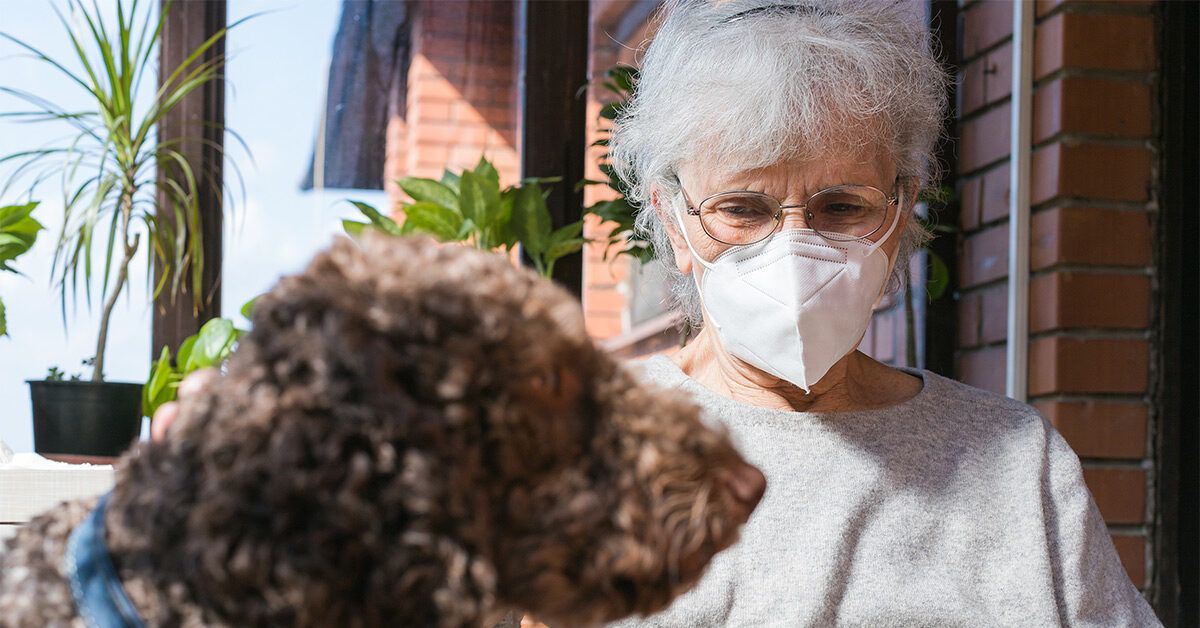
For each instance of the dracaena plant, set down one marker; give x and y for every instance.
(18, 232)
(108, 166)
(471, 207)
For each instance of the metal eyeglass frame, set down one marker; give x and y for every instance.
(694, 210)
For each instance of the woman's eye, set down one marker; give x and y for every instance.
(842, 209)
(742, 209)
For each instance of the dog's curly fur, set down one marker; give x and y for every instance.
(413, 435)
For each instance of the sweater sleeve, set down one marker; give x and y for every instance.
(1091, 586)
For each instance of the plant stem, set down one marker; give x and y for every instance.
(127, 252)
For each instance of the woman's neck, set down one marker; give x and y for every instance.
(856, 382)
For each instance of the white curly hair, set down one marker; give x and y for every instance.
(739, 84)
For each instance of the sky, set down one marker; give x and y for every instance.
(276, 82)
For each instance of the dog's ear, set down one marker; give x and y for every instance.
(547, 422)
(555, 389)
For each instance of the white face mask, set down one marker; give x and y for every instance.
(795, 303)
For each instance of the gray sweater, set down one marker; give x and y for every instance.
(957, 507)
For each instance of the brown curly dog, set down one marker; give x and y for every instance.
(411, 435)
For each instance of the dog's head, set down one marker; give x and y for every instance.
(423, 432)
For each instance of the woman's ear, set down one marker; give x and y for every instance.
(683, 255)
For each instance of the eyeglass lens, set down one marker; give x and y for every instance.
(837, 213)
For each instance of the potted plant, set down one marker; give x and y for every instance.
(207, 348)
(108, 169)
(471, 207)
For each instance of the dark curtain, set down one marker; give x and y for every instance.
(367, 84)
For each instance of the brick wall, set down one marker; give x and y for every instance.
(462, 92)
(1092, 273)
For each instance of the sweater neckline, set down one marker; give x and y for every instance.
(663, 371)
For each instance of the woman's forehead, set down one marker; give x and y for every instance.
(793, 177)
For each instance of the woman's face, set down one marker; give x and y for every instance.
(792, 183)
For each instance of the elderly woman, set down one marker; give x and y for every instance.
(776, 148)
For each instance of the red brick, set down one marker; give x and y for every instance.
(428, 153)
(969, 317)
(985, 197)
(1089, 235)
(1062, 365)
(448, 134)
(429, 110)
(1131, 549)
(601, 327)
(1120, 493)
(464, 71)
(604, 301)
(1091, 171)
(994, 197)
(1098, 428)
(1089, 300)
(987, 80)
(993, 313)
(983, 368)
(969, 191)
(984, 256)
(984, 139)
(1046, 6)
(1069, 105)
(1093, 41)
(433, 89)
(986, 24)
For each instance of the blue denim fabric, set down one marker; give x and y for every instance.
(99, 596)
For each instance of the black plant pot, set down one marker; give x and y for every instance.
(85, 418)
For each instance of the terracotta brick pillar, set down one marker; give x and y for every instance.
(461, 92)
(1092, 254)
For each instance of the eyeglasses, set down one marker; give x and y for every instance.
(840, 213)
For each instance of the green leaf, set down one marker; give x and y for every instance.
(430, 191)
(939, 276)
(247, 309)
(436, 220)
(531, 219)
(185, 350)
(3, 320)
(378, 220)
(485, 202)
(473, 207)
(12, 214)
(618, 211)
(502, 230)
(540, 180)
(157, 391)
(611, 110)
(213, 344)
(450, 180)
(624, 76)
(568, 232)
(485, 170)
(563, 248)
(353, 228)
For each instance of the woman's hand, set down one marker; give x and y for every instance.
(193, 384)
